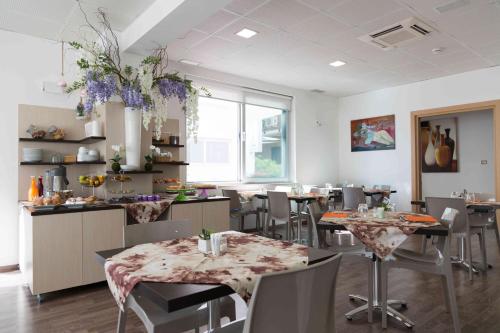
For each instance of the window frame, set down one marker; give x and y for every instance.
(241, 147)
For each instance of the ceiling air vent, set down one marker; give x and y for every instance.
(397, 34)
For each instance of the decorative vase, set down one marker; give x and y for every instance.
(133, 137)
(450, 143)
(148, 166)
(115, 166)
(430, 156)
(442, 151)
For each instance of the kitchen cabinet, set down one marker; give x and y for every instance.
(102, 230)
(204, 214)
(58, 250)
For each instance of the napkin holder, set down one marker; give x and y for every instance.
(204, 245)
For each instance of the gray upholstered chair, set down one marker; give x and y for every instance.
(485, 216)
(153, 317)
(437, 262)
(294, 301)
(280, 210)
(240, 210)
(461, 229)
(352, 197)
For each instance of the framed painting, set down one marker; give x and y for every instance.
(377, 133)
(438, 144)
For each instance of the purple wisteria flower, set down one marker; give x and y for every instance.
(169, 88)
(132, 97)
(98, 89)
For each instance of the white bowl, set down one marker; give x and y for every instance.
(32, 154)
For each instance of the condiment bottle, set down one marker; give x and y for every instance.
(33, 191)
(40, 186)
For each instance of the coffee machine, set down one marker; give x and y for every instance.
(56, 180)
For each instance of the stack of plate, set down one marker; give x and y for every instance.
(32, 154)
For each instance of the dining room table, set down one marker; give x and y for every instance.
(380, 236)
(172, 297)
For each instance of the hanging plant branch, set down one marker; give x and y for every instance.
(147, 87)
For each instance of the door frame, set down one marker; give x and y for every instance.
(416, 179)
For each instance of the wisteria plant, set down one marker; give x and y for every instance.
(147, 87)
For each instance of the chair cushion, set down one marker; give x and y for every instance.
(404, 254)
(234, 327)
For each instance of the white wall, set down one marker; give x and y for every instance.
(25, 62)
(394, 166)
(475, 143)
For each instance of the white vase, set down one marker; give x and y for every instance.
(430, 155)
(133, 137)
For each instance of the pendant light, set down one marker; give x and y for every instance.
(62, 82)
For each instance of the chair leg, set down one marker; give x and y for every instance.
(423, 245)
(370, 292)
(468, 246)
(444, 283)
(257, 222)
(242, 223)
(482, 242)
(122, 320)
(452, 299)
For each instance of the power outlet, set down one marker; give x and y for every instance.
(483, 162)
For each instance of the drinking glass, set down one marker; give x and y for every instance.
(455, 194)
(363, 210)
(331, 207)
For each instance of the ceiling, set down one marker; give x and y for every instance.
(298, 39)
(62, 19)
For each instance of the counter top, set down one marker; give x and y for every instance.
(197, 200)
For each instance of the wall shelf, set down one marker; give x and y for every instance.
(63, 163)
(163, 144)
(172, 163)
(134, 172)
(87, 140)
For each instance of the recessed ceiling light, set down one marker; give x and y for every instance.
(246, 33)
(189, 62)
(337, 63)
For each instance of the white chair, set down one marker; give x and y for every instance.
(280, 210)
(352, 197)
(435, 263)
(239, 209)
(485, 216)
(152, 316)
(294, 301)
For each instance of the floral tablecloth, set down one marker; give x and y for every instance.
(179, 261)
(382, 236)
(148, 211)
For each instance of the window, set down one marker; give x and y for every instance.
(239, 142)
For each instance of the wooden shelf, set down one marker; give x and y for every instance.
(134, 172)
(63, 163)
(87, 140)
(172, 163)
(163, 144)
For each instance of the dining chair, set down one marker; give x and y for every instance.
(352, 197)
(280, 210)
(239, 209)
(462, 229)
(485, 215)
(294, 301)
(437, 262)
(154, 318)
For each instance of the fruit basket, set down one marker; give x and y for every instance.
(90, 181)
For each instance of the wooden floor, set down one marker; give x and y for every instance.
(92, 309)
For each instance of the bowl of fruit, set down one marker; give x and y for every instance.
(91, 181)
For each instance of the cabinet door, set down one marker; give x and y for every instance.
(57, 252)
(216, 215)
(191, 212)
(102, 230)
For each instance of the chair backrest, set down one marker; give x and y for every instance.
(352, 197)
(436, 207)
(315, 215)
(279, 205)
(234, 199)
(443, 244)
(142, 233)
(295, 301)
(385, 187)
(281, 188)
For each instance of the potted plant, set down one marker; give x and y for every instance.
(148, 166)
(204, 241)
(115, 165)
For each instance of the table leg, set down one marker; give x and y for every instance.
(299, 222)
(377, 304)
(213, 314)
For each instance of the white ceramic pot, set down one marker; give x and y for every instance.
(93, 128)
(204, 245)
(133, 137)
